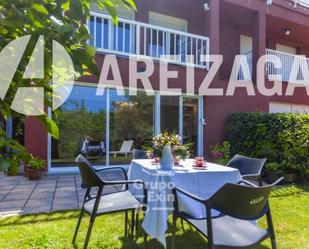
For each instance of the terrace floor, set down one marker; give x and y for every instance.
(51, 193)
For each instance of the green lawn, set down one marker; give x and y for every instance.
(290, 208)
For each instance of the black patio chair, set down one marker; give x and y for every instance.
(239, 206)
(249, 168)
(139, 154)
(99, 204)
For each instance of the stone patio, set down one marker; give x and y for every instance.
(19, 196)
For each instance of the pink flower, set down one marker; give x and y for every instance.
(218, 154)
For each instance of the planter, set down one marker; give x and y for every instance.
(34, 174)
(290, 177)
(272, 176)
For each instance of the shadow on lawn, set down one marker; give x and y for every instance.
(38, 218)
(289, 190)
(185, 238)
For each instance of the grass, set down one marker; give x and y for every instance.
(290, 210)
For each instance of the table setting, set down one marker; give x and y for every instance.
(166, 170)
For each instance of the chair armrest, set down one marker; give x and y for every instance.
(251, 176)
(125, 182)
(194, 197)
(247, 183)
(114, 168)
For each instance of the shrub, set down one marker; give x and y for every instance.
(282, 138)
(221, 153)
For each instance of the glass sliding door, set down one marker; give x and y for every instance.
(190, 122)
(131, 125)
(169, 114)
(81, 122)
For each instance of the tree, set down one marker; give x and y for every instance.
(61, 20)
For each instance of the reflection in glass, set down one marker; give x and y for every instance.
(190, 122)
(81, 122)
(170, 114)
(131, 125)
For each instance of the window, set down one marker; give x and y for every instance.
(81, 121)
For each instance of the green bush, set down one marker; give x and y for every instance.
(282, 138)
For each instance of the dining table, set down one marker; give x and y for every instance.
(202, 182)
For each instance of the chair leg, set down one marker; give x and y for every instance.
(145, 240)
(126, 224)
(136, 223)
(182, 225)
(132, 222)
(273, 243)
(78, 225)
(174, 231)
(88, 232)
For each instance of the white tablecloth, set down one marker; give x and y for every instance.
(203, 183)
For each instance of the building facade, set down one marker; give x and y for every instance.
(107, 126)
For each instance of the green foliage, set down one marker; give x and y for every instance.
(272, 166)
(221, 152)
(36, 18)
(36, 163)
(282, 138)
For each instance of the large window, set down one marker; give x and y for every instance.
(131, 125)
(81, 121)
(106, 129)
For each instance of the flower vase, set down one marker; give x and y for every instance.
(167, 161)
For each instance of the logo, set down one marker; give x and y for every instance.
(30, 100)
(256, 200)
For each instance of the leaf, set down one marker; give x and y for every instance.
(40, 8)
(76, 10)
(50, 125)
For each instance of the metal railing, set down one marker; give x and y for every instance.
(287, 61)
(302, 2)
(137, 38)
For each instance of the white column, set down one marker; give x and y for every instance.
(181, 117)
(157, 116)
(200, 134)
(107, 124)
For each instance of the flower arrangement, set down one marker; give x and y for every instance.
(165, 138)
(179, 151)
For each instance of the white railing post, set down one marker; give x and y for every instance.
(138, 39)
(173, 42)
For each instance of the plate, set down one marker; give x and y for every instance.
(199, 168)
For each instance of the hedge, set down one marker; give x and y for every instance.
(281, 137)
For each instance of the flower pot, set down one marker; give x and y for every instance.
(34, 174)
(272, 176)
(290, 177)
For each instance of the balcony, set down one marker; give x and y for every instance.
(287, 61)
(137, 38)
(304, 3)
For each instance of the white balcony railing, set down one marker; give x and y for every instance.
(287, 61)
(302, 2)
(137, 38)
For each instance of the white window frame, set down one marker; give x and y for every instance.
(156, 128)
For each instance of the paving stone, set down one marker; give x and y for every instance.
(16, 195)
(64, 204)
(12, 205)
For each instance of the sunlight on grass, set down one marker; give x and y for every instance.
(290, 210)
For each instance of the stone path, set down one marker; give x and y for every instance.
(19, 196)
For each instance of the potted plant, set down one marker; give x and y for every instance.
(34, 168)
(273, 172)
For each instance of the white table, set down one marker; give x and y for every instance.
(203, 183)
